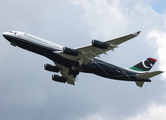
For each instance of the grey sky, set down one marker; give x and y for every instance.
(27, 91)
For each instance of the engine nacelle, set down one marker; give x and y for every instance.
(70, 51)
(58, 78)
(99, 44)
(51, 68)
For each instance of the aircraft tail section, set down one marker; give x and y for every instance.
(139, 83)
(144, 66)
(146, 76)
(142, 69)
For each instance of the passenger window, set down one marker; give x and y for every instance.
(10, 31)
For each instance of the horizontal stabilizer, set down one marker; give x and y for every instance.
(149, 75)
(139, 83)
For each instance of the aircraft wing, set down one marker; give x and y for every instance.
(89, 52)
(64, 72)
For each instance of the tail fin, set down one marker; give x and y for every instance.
(142, 69)
(144, 66)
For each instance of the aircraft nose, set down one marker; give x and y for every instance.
(4, 34)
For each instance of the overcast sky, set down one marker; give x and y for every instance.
(26, 89)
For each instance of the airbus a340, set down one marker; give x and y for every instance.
(70, 62)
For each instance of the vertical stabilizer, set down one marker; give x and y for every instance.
(144, 66)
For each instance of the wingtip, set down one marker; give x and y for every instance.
(137, 33)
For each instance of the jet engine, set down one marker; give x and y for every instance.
(70, 51)
(99, 44)
(51, 68)
(58, 78)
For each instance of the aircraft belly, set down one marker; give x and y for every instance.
(47, 52)
(41, 50)
(100, 70)
(31, 46)
(60, 60)
(113, 72)
(70, 57)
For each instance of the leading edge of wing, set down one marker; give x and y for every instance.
(122, 39)
(115, 41)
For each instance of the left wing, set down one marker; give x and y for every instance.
(64, 71)
(89, 52)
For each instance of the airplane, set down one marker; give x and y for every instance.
(70, 62)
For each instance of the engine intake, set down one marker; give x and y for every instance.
(51, 68)
(70, 51)
(99, 44)
(58, 78)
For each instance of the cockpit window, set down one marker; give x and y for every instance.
(13, 32)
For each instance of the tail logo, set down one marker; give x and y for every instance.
(145, 65)
(145, 62)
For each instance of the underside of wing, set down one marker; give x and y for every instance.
(69, 78)
(97, 48)
(120, 40)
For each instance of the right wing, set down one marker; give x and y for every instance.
(89, 52)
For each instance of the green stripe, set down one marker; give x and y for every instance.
(136, 69)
